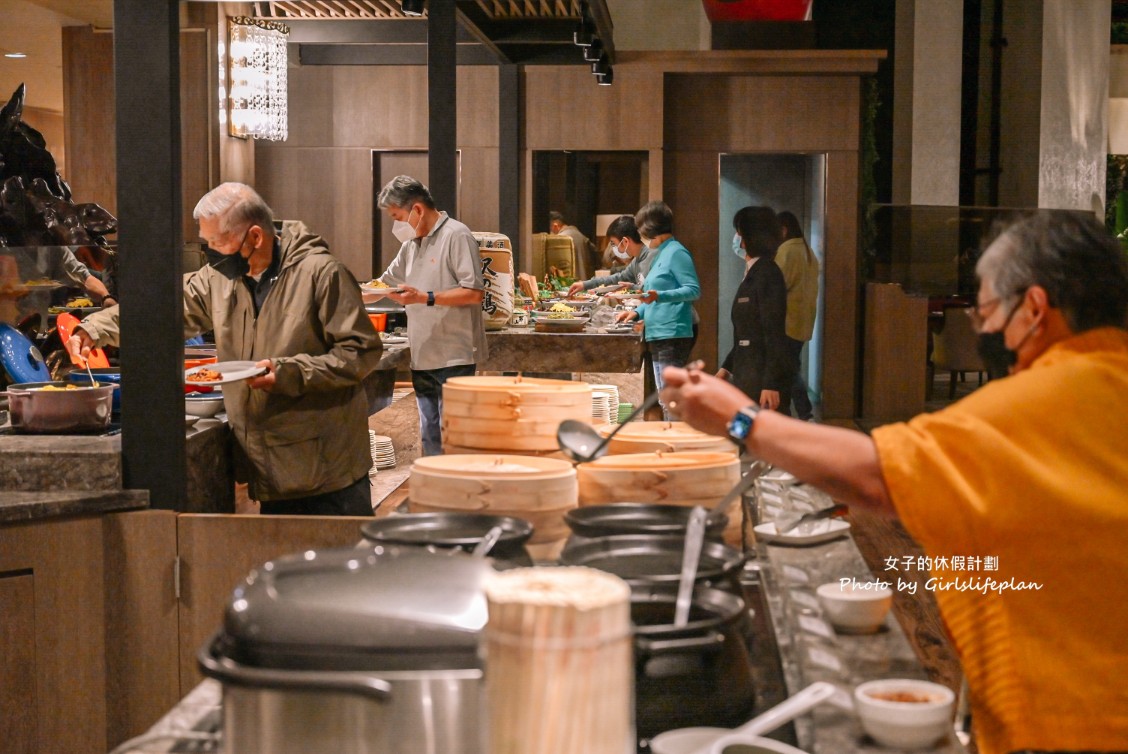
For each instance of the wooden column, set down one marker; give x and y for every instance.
(147, 87)
(442, 100)
(509, 156)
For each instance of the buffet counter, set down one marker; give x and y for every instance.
(520, 349)
(781, 582)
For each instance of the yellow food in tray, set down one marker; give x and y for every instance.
(376, 284)
(80, 302)
(558, 307)
(561, 315)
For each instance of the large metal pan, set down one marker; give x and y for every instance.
(81, 409)
(462, 531)
(639, 518)
(643, 560)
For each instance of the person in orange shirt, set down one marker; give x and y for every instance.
(1030, 471)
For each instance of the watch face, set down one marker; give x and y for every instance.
(740, 426)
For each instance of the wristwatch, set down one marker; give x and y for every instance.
(430, 298)
(741, 425)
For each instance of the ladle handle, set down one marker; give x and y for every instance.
(784, 712)
(482, 549)
(694, 537)
(738, 489)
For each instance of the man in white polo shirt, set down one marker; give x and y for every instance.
(439, 270)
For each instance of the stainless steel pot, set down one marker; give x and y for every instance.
(83, 409)
(697, 674)
(354, 652)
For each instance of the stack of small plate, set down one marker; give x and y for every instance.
(612, 399)
(600, 408)
(383, 454)
(625, 410)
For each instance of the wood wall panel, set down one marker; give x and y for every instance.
(218, 551)
(728, 113)
(65, 558)
(896, 353)
(692, 186)
(88, 97)
(477, 193)
(383, 107)
(842, 267)
(566, 109)
(18, 700)
(330, 190)
(142, 623)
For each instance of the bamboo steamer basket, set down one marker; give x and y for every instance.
(650, 436)
(682, 478)
(539, 490)
(462, 450)
(510, 413)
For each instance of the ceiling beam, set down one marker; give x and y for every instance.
(604, 29)
(385, 54)
(466, 25)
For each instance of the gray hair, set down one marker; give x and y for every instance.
(403, 191)
(1072, 256)
(238, 207)
(556, 217)
(655, 219)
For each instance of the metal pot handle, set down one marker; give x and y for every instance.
(710, 641)
(229, 671)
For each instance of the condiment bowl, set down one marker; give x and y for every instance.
(855, 607)
(203, 405)
(904, 713)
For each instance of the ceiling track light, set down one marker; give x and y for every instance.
(412, 7)
(605, 79)
(601, 66)
(594, 51)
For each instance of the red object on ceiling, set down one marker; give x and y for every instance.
(757, 10)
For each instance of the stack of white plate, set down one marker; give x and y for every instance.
(601, 407)
(383, 454)
(613, 398)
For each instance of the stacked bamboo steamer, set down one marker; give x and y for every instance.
(560, 662)
(647, 437)
(514, 415)
(682, 478)
(539, 490)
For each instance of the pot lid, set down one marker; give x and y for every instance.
(22, 360)
(378, 607)
(518, 383)
(657, 430)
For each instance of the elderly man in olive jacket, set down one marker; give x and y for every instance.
(283, 301)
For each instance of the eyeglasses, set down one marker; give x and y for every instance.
(980, 312)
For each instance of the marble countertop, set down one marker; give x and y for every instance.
(521, 349)
(30, 506)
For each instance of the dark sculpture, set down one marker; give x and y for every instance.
(35, 201)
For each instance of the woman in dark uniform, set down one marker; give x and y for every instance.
(758, 363)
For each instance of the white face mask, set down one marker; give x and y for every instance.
(620, 251)
(645, 241)
(404, 231)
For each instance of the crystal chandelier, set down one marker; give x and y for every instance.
(256, 64)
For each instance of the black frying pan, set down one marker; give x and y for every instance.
(453, 530)
(615, 519)
(647, 559)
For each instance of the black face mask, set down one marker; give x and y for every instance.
(992, 348)
(231, 266)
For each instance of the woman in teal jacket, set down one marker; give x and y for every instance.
(671, 288)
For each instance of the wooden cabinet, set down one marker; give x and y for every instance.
(17, 662)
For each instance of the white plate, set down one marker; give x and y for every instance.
(189, 420)
(370, 289)
(232, 371)
(624, 296)
(804, 534)
(780, 476)
(391, 340)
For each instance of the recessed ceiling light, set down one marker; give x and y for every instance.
(15, 54)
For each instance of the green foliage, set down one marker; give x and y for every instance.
(1116, 178)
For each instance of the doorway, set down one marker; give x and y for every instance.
(794, 182)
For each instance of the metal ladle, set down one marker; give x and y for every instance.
(691, 556)
(482, 549)
(580, 442)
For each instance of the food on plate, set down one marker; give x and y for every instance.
(79, 302)
(40, 282)
(562, 315)
(906, 697)
(559, 307)
(376, 283)
(53, 388)
(204, 375)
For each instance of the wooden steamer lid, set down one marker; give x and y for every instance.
(515, 414)
(650, 436)
(539, 490)
(682, 478)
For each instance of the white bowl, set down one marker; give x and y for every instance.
(206, 405)
(856, 607)
(905, 724)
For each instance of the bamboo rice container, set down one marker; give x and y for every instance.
(559, 662)
(650, 436)
(539, 490)
(681, 478)
(510, 414)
